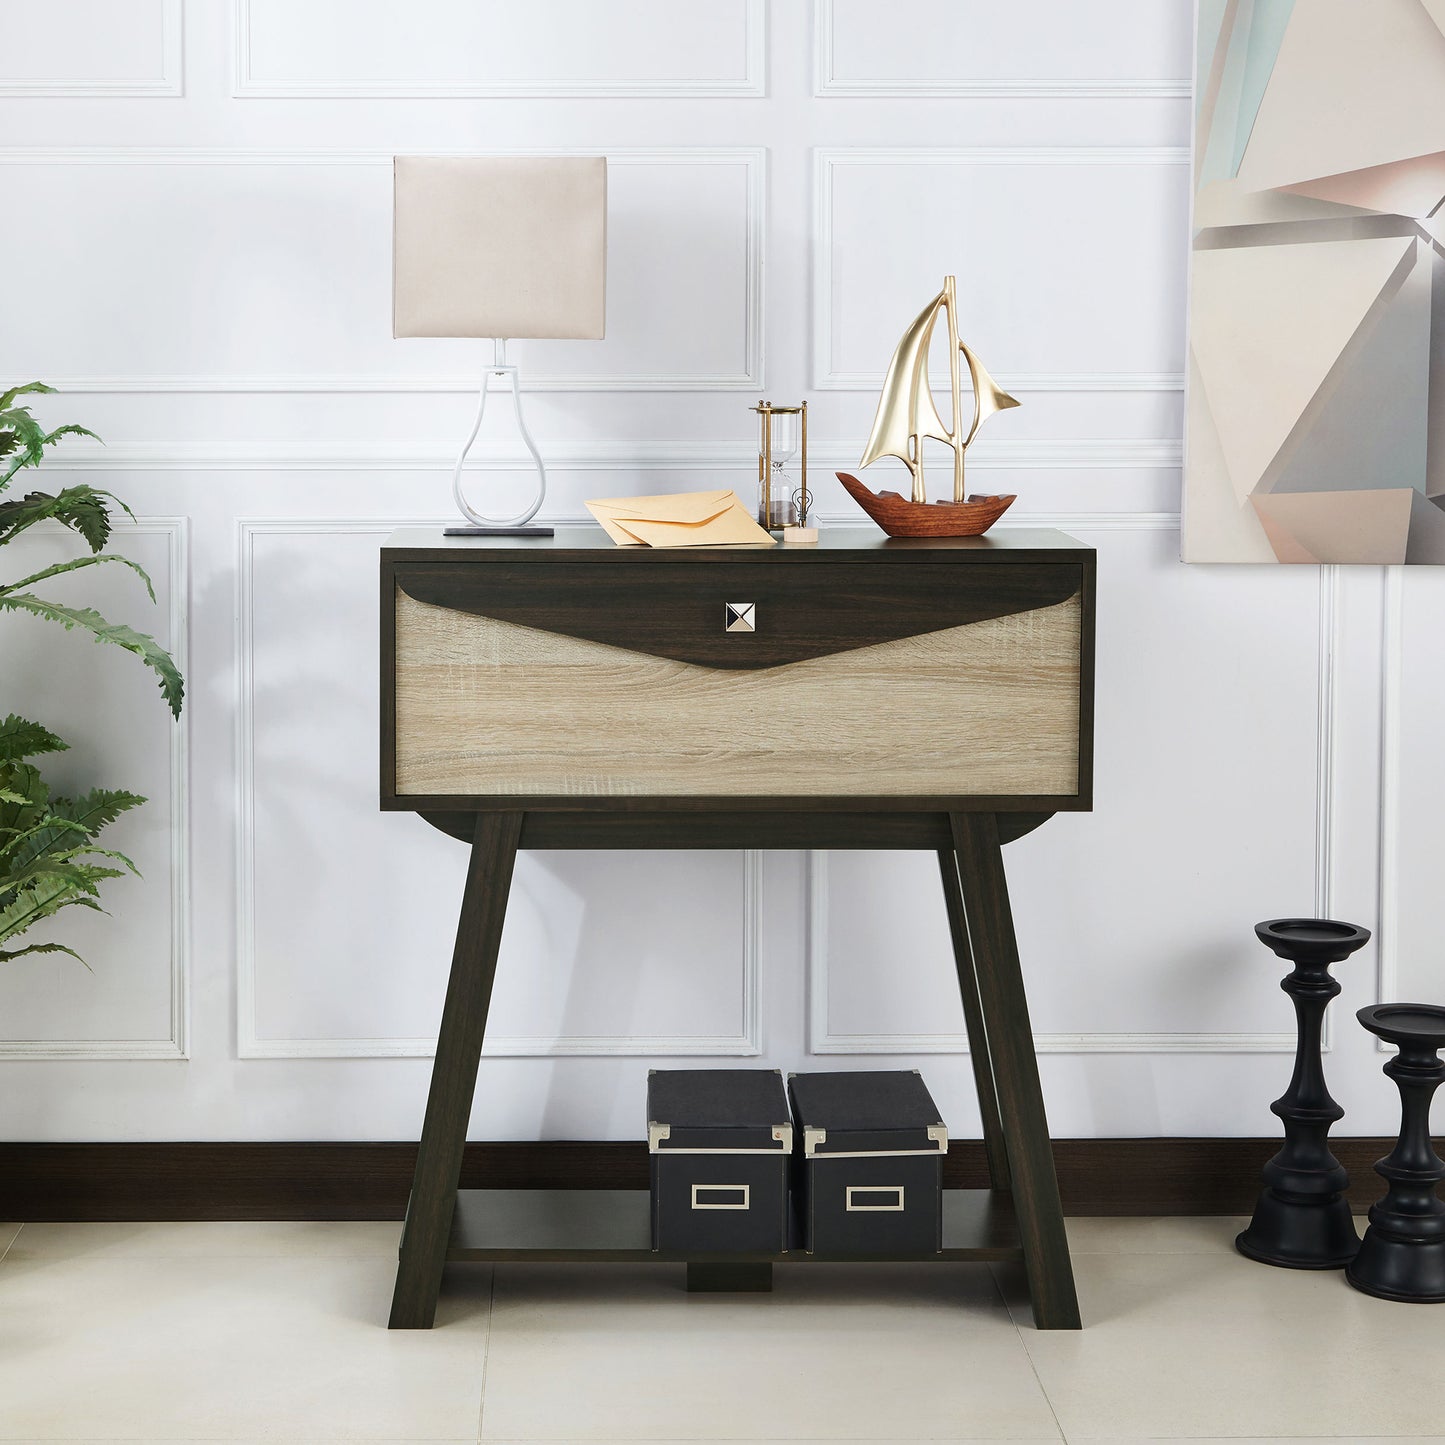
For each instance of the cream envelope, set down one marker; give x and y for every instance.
(683, 519)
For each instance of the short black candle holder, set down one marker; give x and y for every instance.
(1302, 1219)
(1402, 1256)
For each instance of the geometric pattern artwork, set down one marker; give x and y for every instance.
(1316, 382)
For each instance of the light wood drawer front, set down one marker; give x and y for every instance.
(489, 708)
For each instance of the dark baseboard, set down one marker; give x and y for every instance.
(370, 1181)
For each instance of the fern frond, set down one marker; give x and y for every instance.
(63, 866)
(45, 898)
(95, 809)
(25, 438)
(81, 508)
(146, 648)
(46, 824)
(29, 433)
(47, 837)
(14, 953)
(70, 429)
(31, 388)
(74, 564)
(20, 738)
(24, 778)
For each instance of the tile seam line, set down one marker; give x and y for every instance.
(1028, 1355)
(486, 1356)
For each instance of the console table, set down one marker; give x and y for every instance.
(864, 693)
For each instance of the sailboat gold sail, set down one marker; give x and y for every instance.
(907, 415)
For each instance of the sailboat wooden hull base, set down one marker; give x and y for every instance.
(901, 518)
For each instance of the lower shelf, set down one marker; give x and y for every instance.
(615, 1225)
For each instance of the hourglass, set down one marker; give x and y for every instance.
(782, 506)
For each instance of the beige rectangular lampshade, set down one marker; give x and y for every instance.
(500, 246)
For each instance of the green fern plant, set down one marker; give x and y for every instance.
(49, 859)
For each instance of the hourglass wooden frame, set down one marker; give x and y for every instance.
(766, 412)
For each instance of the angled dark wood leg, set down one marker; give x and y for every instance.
(978, 1046)
(454, 1074)
(1005, 1011)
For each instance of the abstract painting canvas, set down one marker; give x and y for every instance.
(1316, 385)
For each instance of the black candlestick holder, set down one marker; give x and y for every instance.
(1302, 1219)
(1402, 1256)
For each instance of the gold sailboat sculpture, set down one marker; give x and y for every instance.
(907, 414)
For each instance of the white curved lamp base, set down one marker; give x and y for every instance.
(481, 525)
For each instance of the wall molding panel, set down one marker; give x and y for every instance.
(250, 1043)
(828, 83)
(248, 83)
(167, 79)
(822, 1040)
(1003, 453)
(829, 160)
(176, 1044)
(753, 230)
(1391, 841)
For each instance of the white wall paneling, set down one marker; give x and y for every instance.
(212, 278)
(1062, 256)
(1223, 759)
(271, 271)
(1022, 49)
(635, 49)
(1412, 789)
(106, 48)
(1392, 648)
(101, 700)
(346, 916)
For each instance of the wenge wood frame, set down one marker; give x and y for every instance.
(1019, 1216)
(1036, 559)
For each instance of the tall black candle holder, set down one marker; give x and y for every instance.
(1302, 1219)
(1402, 1256)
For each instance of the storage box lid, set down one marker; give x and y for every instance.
(718, 1110)
(873, 1112)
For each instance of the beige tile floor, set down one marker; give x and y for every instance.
(273, 1332)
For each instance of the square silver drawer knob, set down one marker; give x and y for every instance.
(740, 616)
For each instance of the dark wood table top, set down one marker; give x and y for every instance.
(592, 544)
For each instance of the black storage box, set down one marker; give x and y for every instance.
(719, 1144)
(868, 1172)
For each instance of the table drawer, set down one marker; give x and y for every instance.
(584, 682)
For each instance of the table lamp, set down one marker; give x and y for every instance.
(500, 247)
